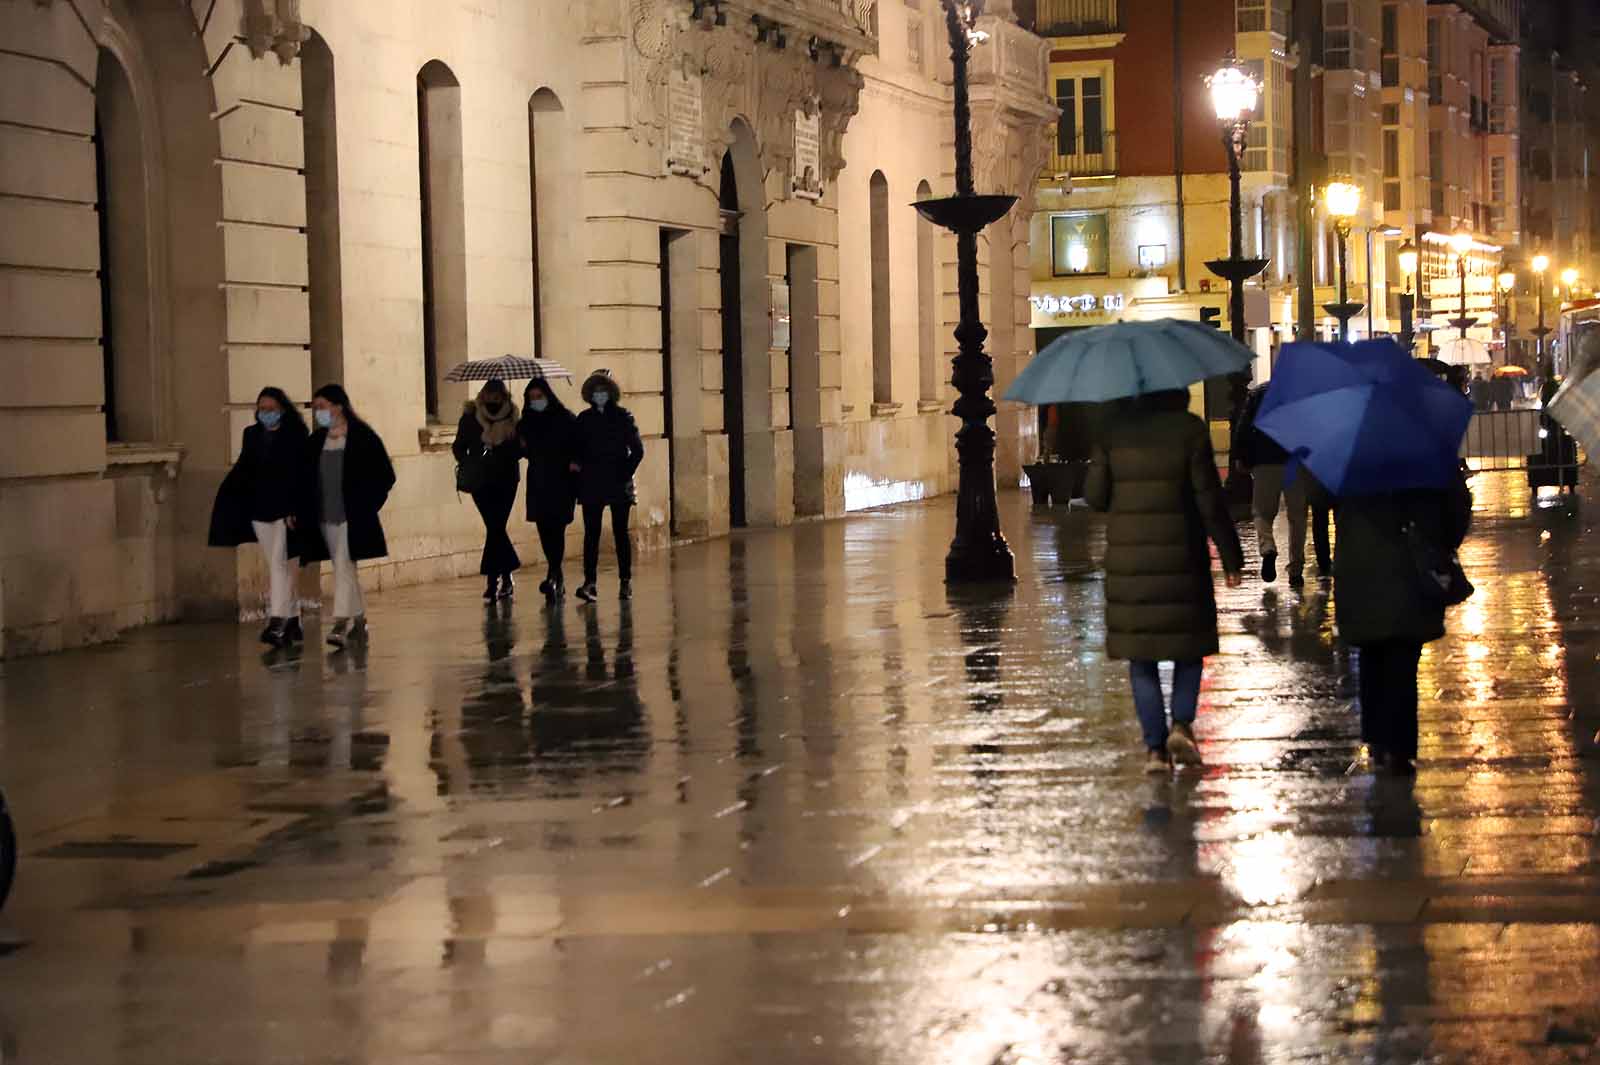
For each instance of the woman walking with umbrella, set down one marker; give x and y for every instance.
(547, 436)
(256, 503)
(609, 451)
(347, 481)
(489, 460)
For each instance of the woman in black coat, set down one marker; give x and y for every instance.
(609, 451)
(547, 434)
(256, 504)
(1381, 607)
(487, 438)
(347, 480)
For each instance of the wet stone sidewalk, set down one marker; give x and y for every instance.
(795, 803)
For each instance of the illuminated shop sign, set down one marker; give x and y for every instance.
(1087, 303)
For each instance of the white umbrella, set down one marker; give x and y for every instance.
(1464, 351)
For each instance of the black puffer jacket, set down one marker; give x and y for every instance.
(1157, 477)
(609, 448)
(549, 440)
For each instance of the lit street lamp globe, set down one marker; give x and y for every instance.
(1343, 199)
(1461, 241)
(1233, 93)
(1408, 258)
(1541, 263)
(1508, 281)
(1569, 277)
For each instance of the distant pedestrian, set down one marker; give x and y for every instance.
(489, 458)
(256, 503)
(348, 480)
(1479, 392)
(609, 451)
(1268, 464)
(548, 438)
(1157, 477)
(1383, 610)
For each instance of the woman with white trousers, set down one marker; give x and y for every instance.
(256, 503)
(347, 481)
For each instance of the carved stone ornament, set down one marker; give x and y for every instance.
(746, 64)
(1012, 117)
(274, 26)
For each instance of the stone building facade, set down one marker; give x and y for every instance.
(708, 197)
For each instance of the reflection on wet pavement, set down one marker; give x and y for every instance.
(797, 803)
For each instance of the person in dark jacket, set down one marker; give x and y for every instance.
(347, 481)
(487, 436)
(256, 504)
(609, 451)
(1156, 475)
(547, 434)
(1382, 610)
(1268, 465)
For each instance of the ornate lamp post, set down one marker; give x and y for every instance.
(1461, 243)
(1234, 92)
(1569, 278)
(1508, 281)
(1408, 258)
(1343, 200)
(1540, 264)
(978, 553)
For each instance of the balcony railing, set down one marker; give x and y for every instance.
(1082, 157)
(1076, 18)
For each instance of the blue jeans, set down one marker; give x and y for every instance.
(1147, 698)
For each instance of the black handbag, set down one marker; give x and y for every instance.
(1439, 574)
(472, 471)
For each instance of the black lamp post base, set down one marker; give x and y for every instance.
(988, 561)
(1463, 324)
(1237, 269)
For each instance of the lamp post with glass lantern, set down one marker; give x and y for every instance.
(1408, 259)
(1343, 200)
(1569, 278)
(978, 552)
(1461, 243)
(1540, 264)
(1508, 281)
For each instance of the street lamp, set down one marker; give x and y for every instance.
(1461, 243)
(1569, 278)
(1343, 200)
(1234, 92)
(978, 551)
(1540, 264)
(1408, 259)
(1508, 281)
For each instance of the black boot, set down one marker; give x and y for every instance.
(491, 590)
(508, 587)
(273, 634)
(292, 632)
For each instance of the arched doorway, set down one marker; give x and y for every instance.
(746, 332)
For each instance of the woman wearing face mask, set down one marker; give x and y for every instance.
(256, 503)
(347, 481)
(487, 434)
(546, 435)
(609, 450)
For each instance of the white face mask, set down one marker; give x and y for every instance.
(324, 418)
(538, 406)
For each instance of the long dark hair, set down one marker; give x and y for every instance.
(336, 395)
(543, 385)
(291, 413)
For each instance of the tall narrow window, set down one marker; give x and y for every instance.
(882, 354)
(322, 212)
(444, 249)
(544, 110)
(130, 400)
(928, 302)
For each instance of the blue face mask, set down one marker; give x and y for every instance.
(324, 418)
(269, 419)
(538, 406)
(600, 398)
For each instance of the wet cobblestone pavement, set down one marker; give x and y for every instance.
(795, 803)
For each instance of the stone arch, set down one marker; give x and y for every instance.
(883, 393)
(555, 184)
(324, 251)
(441, 167)
(747, 375)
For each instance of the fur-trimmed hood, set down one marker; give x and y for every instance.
(601, 379)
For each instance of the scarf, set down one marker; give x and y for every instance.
(500, 428)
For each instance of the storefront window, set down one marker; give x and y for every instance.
(1080, 244)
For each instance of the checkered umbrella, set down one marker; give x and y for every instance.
(507, 368)
(1577, 407)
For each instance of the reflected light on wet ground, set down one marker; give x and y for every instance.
(798, 803)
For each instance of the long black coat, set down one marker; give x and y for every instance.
(549, 440)
(503, 464)
(1157, 476)
(263, 485)
(1376, 593)
(609, 452)
(368, 477)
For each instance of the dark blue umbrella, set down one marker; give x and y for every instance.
(1365, 418)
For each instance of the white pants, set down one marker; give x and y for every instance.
(273, 536)
(1269, 489)
(347, 601)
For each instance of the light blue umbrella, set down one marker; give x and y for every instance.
(1128, 359)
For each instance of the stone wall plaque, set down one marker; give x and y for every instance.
(686, 147)
(807, 181)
